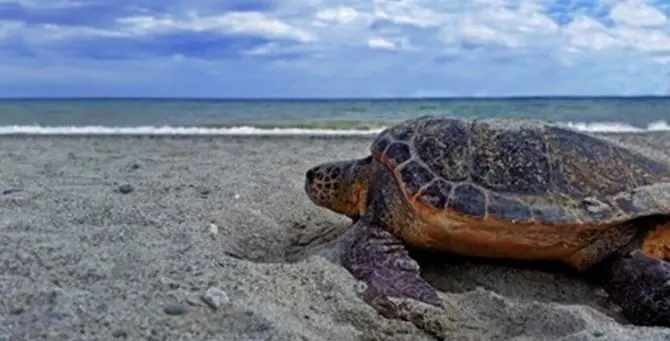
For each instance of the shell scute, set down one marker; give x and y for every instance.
(444, 147)
(468, 199)
(511, 161)
(414, 176)
(504, 207)
(436, 194)
(553, 213)
(398, 153)
(585, 165)
(643, 170)
(405, 130)
(380, 144)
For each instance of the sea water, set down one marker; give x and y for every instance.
(317, 117)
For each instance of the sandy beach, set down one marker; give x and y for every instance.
(120, 238)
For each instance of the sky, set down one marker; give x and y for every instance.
(333, 48)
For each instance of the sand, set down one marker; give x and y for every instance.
(106, 238)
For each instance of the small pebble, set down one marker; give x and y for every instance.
(213, 229)
(10, 191)
(600, 292)
(17, 311)
(597, 333)
(175, 309)
(120, 333)
(193, 300)
(215, 297)
(125, 189)
(360, 287)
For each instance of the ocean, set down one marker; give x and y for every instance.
(301, 117)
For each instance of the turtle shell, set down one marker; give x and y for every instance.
(522, 171)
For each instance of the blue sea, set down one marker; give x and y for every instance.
(318, 117)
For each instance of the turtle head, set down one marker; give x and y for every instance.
(340, 186)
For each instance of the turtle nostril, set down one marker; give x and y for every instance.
(310, 175)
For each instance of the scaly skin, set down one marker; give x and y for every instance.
(639, 284)
(376, 257)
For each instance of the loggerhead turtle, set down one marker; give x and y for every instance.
(499, 188)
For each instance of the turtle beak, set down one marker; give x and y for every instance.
(309, 181)
(309, 176)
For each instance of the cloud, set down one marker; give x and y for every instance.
(233, 23)
(334, 48)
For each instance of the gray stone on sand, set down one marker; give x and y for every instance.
(125, 189)
(215, 297)
(176, 309)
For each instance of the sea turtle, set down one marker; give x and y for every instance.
(502, 188)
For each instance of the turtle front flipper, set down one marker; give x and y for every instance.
(379, 259)
(639, 284)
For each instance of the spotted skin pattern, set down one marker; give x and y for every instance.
(502, 189)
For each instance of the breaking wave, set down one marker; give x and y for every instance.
(617, 127)
(349, 128)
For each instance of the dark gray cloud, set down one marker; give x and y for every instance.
(196, 45)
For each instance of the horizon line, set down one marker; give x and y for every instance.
(212, 98)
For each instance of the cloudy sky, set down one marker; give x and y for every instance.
(333, 48)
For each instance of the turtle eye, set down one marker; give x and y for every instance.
(335, 173)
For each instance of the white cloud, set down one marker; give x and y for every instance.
(9, 26)
(409, 12)
(637, 27)
(339, 27)
(256, 23)
(478, 32)
(586, 34)
(644, 40)
(339, 14)
(636, 13)
(495, 22)
(240, 23)
(232, 22)
(389, 43)
(381, 43)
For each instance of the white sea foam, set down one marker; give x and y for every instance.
(617, 127)
(168, 130)
(285, 131)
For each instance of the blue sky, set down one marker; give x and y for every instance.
(333, 48)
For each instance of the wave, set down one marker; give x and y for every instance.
(310, 125)
(170, 130)
(616, 127)
(285, 130)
